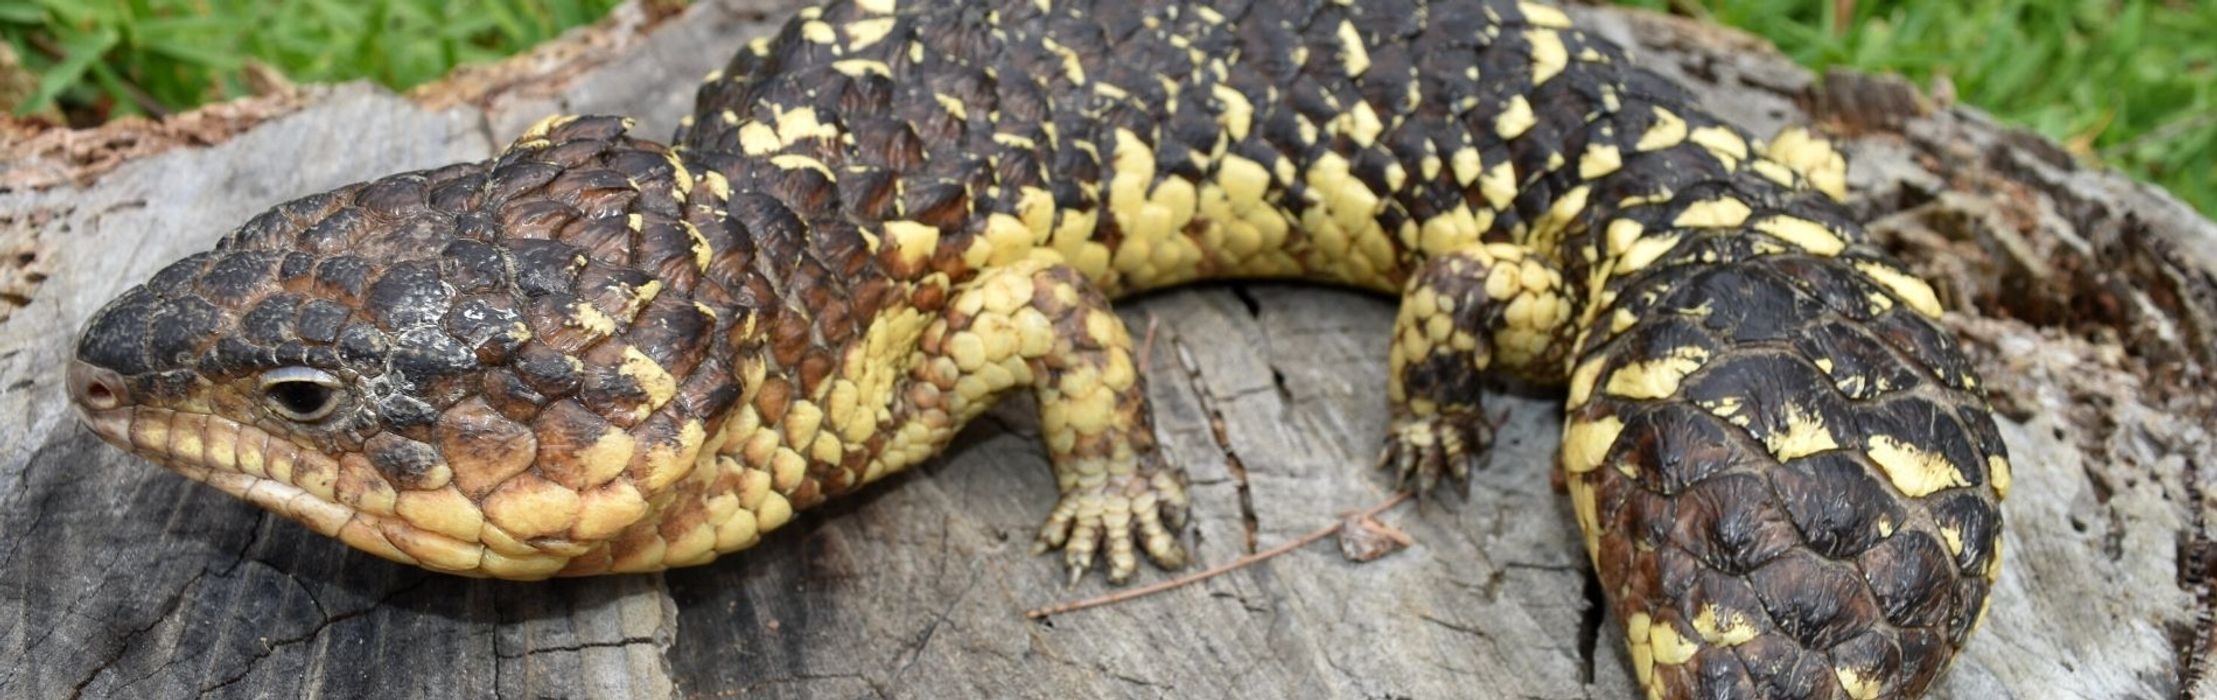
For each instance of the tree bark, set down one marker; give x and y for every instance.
(2088, 300)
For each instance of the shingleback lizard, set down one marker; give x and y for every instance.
(598, 353)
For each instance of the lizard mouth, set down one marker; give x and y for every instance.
(305, 485)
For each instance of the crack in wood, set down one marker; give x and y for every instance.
(269, 647)
(1238, 468)
(580, 646)
(130, 637)
(1589, 628)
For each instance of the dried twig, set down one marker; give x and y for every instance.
(1220, 569)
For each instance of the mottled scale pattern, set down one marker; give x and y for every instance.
(599, 353)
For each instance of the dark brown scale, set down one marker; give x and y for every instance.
(405, 461)
(1673, 447)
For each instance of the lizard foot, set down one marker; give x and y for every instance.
(1423, 448)
(1108, 517)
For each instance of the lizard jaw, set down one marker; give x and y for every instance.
(270, 471)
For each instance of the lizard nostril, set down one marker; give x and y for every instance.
(95, 388)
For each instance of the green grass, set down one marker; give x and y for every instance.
(93, 60)
(2127, 83)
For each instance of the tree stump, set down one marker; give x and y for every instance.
(2088, 300)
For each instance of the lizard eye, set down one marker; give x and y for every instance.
(300, 394)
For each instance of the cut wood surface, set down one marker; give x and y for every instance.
(2087, 299)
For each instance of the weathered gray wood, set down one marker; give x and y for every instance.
(117, 578)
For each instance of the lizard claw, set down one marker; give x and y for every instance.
(1123, 513)
(1424, 448)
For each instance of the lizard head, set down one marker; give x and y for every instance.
(495, 368)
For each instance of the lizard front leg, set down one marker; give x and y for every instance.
(1042, 325)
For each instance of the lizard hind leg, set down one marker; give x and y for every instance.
(1487, 308)
(1044, 325)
